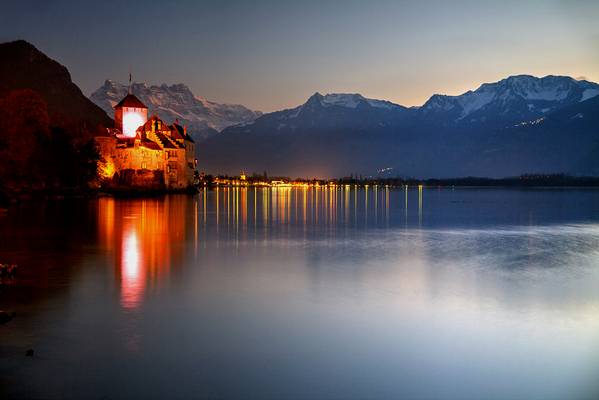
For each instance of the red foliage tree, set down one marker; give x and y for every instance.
(24, 123)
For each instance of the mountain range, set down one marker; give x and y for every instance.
(521, 124)
(517, 98)
(202, 117)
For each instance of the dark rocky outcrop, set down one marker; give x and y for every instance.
(23, 66)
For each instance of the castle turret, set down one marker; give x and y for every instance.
(129, 114)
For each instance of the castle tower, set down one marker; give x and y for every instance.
(129, 114)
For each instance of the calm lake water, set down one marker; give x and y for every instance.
(305, 293)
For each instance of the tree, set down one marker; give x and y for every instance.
(35, 155)
(23, 124)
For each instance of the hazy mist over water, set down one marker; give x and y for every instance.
(305, 293)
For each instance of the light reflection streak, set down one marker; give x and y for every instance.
(333, 206)
(204, 207)
(244, 206)
(387, 204)
(143, 236)
(195, 221)
(376, 203)
(346, 203)
(228, 208)
(217, 208)
(315, 202)
(406, 203)
(305, 207)
(420, 204)
(366, 205)
(132, 276)
(356, 206)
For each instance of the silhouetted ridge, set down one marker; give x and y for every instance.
(23, 66)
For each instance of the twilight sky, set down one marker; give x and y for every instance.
(270, 55)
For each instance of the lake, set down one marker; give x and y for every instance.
(329, 293)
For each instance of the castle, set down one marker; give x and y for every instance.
(145, 153)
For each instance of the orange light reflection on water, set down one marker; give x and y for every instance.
(132, 279)
(144, 236)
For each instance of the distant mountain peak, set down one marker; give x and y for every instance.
(348, 100)
(517, 96)
(315, 98)
(170, 102)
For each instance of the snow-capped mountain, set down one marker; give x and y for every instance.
(202, 117)
(516, 98)
(332, 111)
(351, 100)
(326, 134)
(520, 124)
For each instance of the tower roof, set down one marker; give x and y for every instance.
(130, 101)
(181, 131)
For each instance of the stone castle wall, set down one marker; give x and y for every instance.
(171, 168)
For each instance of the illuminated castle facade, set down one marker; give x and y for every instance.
(145, 153)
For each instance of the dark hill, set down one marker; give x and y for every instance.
(23, 66)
